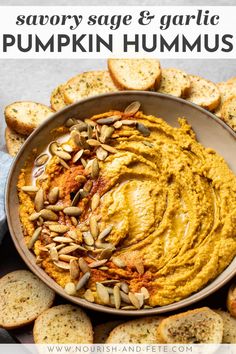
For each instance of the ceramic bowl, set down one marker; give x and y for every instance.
(210, 131)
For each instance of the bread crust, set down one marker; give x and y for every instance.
(152, 83)
(15, 116)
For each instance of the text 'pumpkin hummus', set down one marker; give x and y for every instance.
(128, 211)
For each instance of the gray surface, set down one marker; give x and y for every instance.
(35, 79)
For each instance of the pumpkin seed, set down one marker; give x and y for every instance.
(67, 147)
(109, 282)
(83, 280)
(109, 120)
(128, 308)
(88, 295)
(64, 164)
(53, 254)
(117, 296)
(38, 172)
(63, 155)
(84, 162)
(83, 265)
(39, 200)
(145, 292)
(125, 298)
(60, 246)
(79, 140)
(105, 232)
(53, 244)
(76, 198)
(70, 122)
(107, 134)
(147, 307)
(66, 257)
(95, 168)
(62, 265)
(48, 215)
(143, 129)
(128, 122)
(34, 216)
(62, 239)
(53, 147)
(102, 293)
(109, 148)
(118, 124)
(124, 287)
(97, 264)
(30, 189)
(95, 201)
(94, 227)
(74, 221)
(72, 211)
(134, 300)
(101, 153)
(80, 179)
(132, 108)
(68, 249)
(140, 298)
(103, 268)
(88, 238)
(60, 229)
(74, 269)
(55, 207)
(88, 186)
(102, 245)
(106, 253)
(93, 142)
(90, 122)
(84, 134)
(78, 155)
(118, 262)
(34, 237)
(139, 266)
(53, 195)
(89, 131)
(70, 289)
(147, 143)
(41, 160)
(79, 126)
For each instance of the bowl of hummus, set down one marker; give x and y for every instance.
(126, 203)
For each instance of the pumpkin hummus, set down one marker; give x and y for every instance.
(170, 204)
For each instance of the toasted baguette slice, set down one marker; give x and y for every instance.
(102, 331)
(135, 74)
(196, 326)
(229, 334)
(232, 80)
(14, 141)
(228, 112)
(88, 84)
(63, 324)
(23, 297)
(57, 98)
(227, 90)
(25, 116)
(140, 331)
(174, 82)
(203, 93)
(231, 300)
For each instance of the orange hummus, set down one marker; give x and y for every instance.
(170, 203)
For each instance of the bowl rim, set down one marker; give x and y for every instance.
(22, 249)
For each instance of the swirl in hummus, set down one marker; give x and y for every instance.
(170, 204)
